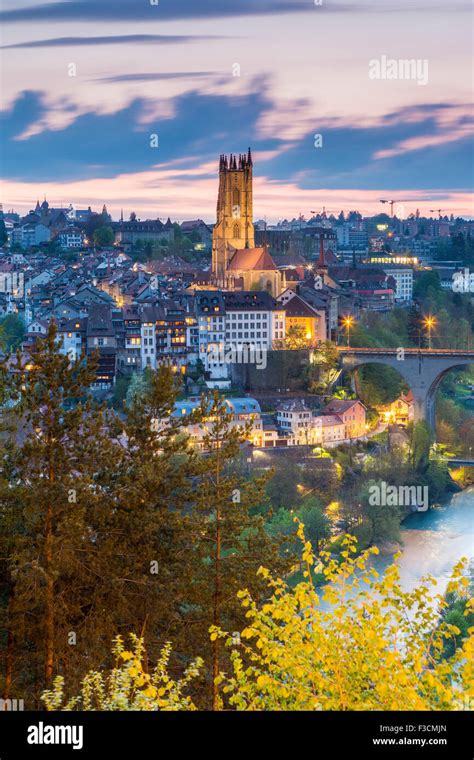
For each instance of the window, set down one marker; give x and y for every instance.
(236, 231)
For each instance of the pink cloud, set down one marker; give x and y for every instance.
(168, 191)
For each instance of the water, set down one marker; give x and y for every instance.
(434, 541)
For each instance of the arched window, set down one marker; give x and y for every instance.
(236, 231)
(236, 197)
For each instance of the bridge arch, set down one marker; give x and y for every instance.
(422, 370)
(431, 395)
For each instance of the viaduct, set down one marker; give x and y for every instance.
(423, 370)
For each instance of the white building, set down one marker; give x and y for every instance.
(403, 277)
(72, 334)
(71, 237)
(253, 319)
(295, 419)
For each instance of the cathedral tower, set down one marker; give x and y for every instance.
(234, 226)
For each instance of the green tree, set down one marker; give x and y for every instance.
(317, 524)
(3, 233)
(103, 236)
(420, 445)
(230, 541)
(295, 338)
(282, 487)
(51, 510)
(378, 385)
(12, 331)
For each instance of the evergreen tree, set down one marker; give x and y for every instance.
(154, 494)
(50, 509)
(420, 444)
(229, 541)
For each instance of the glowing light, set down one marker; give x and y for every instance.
(429, 322)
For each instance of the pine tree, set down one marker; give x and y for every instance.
(229, 540)
(50, 506)
(153, 494)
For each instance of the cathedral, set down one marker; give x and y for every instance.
(236, 263)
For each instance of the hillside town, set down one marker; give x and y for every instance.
(208, 299)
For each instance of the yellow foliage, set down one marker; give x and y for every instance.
(128, 686)
(360, 643)
(370, 646)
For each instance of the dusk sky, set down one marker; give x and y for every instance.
(170, 69)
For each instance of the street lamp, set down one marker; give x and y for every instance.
(348, 322)
(429, 322)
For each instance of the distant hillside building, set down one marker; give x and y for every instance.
(129, 234)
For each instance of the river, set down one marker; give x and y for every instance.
(434, 541)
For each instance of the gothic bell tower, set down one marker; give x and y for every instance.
(234, 226)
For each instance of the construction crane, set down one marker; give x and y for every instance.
(383, 200)
(439, 210)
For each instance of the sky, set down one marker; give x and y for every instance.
(131, 102)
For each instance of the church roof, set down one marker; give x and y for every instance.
(245, 259)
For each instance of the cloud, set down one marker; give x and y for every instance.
(168, 10)
(87, 10)
(162, 39)
(105, 145)
(403, 150)
(156, 76)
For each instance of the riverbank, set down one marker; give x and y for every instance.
(433, 541)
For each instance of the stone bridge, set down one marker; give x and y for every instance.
(423, 370)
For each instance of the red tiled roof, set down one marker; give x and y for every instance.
(246, 259)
